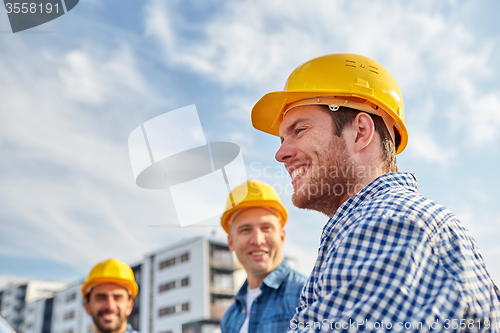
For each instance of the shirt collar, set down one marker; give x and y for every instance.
(273, 280)
(405, 180)
(276, 277)
(129, 328)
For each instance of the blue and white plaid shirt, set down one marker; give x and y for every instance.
(392, 260)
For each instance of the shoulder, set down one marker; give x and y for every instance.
(130, 329)
(405, 210)
(296, 277)
(294, 282)
(395, 219)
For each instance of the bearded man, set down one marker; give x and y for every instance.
(108, 294)
(389, 259)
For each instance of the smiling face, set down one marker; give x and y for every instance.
(109, 305)
(323, 174)
(256, 236)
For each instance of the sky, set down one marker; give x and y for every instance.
(73, 89)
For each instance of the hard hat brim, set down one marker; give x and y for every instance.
(129, 285)
(254, 204)
(267, 114)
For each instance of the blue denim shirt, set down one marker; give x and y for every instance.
(272, 309)
(130, 329)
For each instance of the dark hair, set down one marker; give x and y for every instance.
(345, 116)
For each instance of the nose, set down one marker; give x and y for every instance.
(258, 237)
(110, 302)
(285, 152)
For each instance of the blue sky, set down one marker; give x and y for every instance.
(73, 89)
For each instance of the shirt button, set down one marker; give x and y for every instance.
(243, 311)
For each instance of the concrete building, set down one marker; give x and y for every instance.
(38, 316)
(183, 288)
(34, 316)
(190, 283)
(68, 313)
(15, 297)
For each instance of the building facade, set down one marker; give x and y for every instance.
(15, 298)
(189, 283)
(183, 288)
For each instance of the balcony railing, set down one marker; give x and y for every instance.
(225, 263)
(218, 310)
(221, 290)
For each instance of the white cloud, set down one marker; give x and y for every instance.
(90, 79)
(478, 114)
(425, 147)
(257, 44)
(66, 179)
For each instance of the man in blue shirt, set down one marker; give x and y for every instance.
(389, 259)
(267, 300)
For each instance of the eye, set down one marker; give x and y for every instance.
(299, 130)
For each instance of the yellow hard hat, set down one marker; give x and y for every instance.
(257, 194)
(338, 79)
(111, 271)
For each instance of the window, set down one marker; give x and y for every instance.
(71, 297)
(137, 276)
(69, 315)
(185, 282)
(167, 286)
(167, 263)
(175, 260)
(166, 311)
(185, 307)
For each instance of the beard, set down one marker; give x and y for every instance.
(330, 183)
(110, 328)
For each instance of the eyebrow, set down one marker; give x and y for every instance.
(243, 226)
(293, 125)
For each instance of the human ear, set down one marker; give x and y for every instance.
(230, 242)
(87, 308)
(130, 306)
(364, 130)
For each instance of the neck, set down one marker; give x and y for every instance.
(366, 174)
(362, 176)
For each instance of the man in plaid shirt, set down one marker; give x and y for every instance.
(389, 259)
